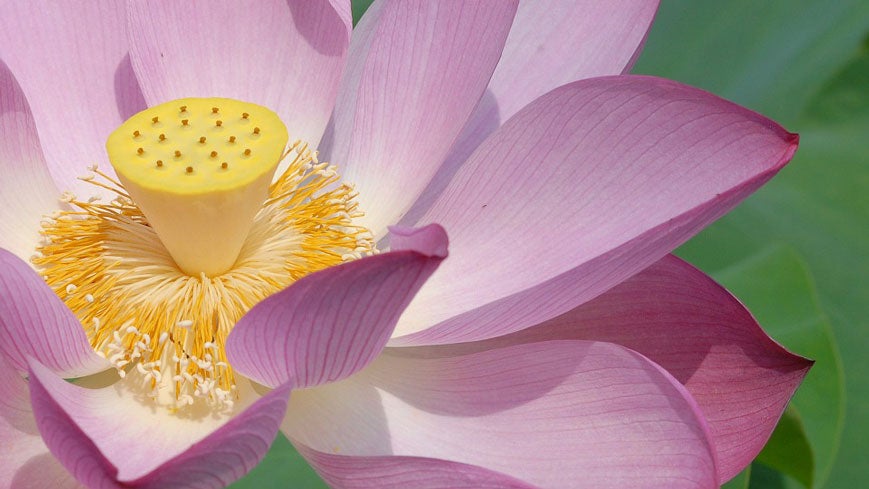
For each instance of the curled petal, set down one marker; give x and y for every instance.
(34, 322)
(332, 323)
(25, 461)
(556, 414)
(585, 187)
(91, 432)
(682, 320)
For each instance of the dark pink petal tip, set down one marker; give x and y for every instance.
(429, 240)
(332, 323)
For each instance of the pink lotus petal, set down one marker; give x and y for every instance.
(390, 472)
(26, 189)
(34, 322)
(286, 55)
(551, 43)
(334, 322)
(91, 432)
(585, 187)
(71, 61)
(416, 71)
(556, 414)
(26, 462)
(684, 321)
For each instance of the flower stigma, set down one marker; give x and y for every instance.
(198, 233)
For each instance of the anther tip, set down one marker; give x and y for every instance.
(247, 152)
(245, 115)
(162, 137)
(140, 151)
(224, 165)
(213, 154)
(183, 108)
(215, 110)
(232, 139)
(184, 122)
(218, 123)
(159, 163)
(177, 154)
(256, 130)
(202, 140)
(136, 134)
(155, 120)
(189, 169)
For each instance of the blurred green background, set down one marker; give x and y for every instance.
(797, 252)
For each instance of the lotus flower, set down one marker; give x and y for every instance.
(556, 344)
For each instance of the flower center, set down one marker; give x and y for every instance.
(198, 234)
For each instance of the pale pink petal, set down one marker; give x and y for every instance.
(26, 462)
(588, 185)
(390, 472)
(334, 322)
(110, 437)
(416, 71)
(72, 63)
(558, 414)
(552, 42)
(285, 55)
(682, 320)
(26, 190)
(35, 322)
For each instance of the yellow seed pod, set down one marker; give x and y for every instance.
(201, 206)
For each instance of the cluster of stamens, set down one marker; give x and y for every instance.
(162, 325)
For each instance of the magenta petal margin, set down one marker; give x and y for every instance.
(349, 472)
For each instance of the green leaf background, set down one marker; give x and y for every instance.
(797, 252)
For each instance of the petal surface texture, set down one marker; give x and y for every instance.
(585, 187)
(34, 322)
(285, 55)
(27, 191)
(416, 70)
(332, 323)
(71, 60)
(551, 43)
(26, 462)
(390, 472)
(560, 414)
(91, 433)
(685, 322)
